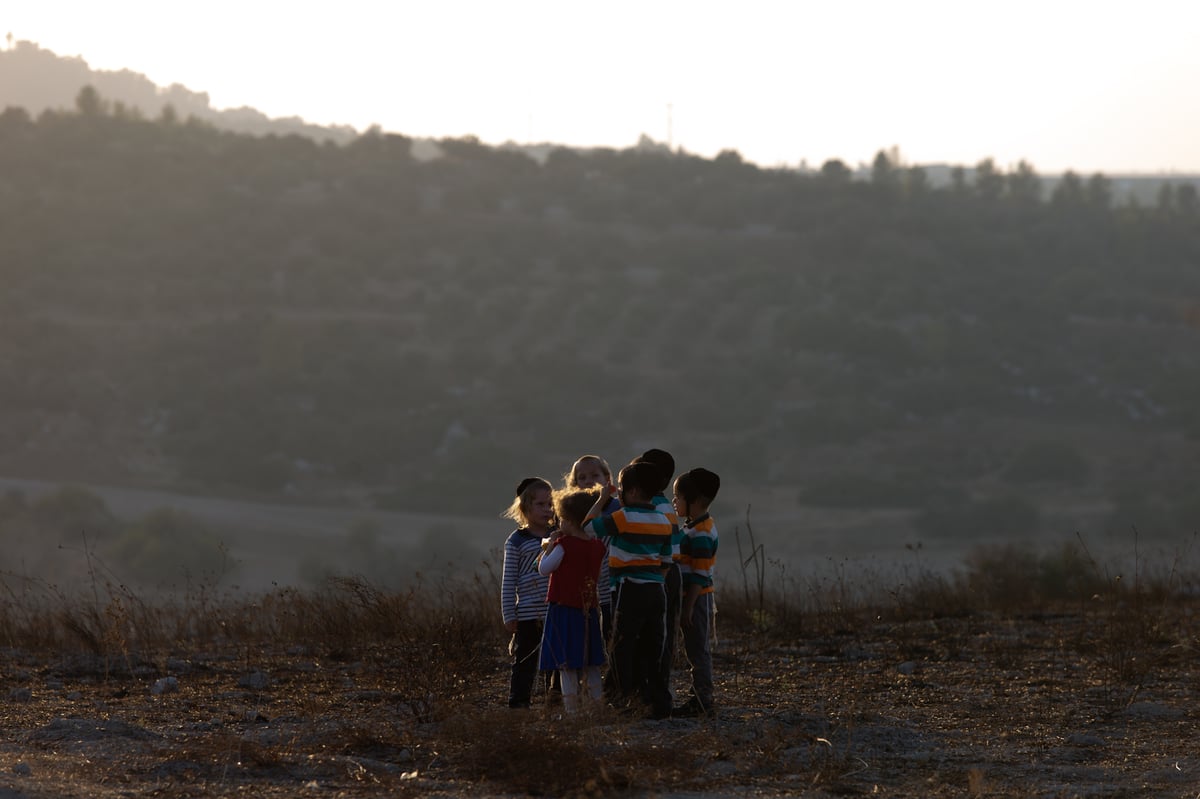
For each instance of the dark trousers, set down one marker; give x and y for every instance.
(526, 652)
(674, 584)
(639, 627)
(697, 643)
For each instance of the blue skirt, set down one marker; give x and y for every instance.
(570, 640)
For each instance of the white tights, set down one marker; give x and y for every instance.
(570, 686)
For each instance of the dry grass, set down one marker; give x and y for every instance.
(1019, 675)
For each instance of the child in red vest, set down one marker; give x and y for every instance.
(572, 642)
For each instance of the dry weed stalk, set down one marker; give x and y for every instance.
(1133, 621)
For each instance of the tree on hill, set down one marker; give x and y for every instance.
(286, 318)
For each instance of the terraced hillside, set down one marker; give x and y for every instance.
(273, 318)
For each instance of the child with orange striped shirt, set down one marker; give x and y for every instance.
(694, 492)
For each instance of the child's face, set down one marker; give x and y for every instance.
(540, 511)
(679, 503)
(590, 473)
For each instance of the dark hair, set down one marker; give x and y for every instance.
(526, 483)
(524, 495)
(698, 484)
(642, 476)
(665, 464)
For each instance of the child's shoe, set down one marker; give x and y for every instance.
(693, 708)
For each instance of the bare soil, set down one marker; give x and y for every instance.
(1083, 703)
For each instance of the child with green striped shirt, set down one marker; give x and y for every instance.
(694, 492)
(639, 538)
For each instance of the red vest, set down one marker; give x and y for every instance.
(573, 583)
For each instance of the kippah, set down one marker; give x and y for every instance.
(524, 484)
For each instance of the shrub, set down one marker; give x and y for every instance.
(359, 554)
(1012, 575)
(1047, 461)
(1135, 511)
(855, 490)
(166, 542)
(1186, 514)
(72, 510)
(1003, 515)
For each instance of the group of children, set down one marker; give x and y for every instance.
(600, 573)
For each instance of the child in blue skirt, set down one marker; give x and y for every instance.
(572, 642)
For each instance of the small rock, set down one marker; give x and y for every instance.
(164, 685)
(1152, 710)
(178, 666)
(22, 770)
(53, 684)
(1084, 739)
(255, 681)
(907, 667)
(254, 717)
(74, 696)
(20, 695)
(720, 768)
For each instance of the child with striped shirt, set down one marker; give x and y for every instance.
(694, 492)
(522, 588)
(672, 578)
(639, 539)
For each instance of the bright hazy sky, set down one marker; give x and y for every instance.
(1091, 86)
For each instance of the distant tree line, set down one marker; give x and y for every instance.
(283, 316)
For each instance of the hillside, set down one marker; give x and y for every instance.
(40, 80)
(273, 317)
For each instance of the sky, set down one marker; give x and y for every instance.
(1063, 84)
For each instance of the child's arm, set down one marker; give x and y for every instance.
(508, 589)
(593, 521)
(690, 594)
(551, 560)
(606, 493)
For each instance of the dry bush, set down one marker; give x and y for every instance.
(520, 751)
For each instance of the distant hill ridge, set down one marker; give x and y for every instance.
(37, 79)
(191, 309)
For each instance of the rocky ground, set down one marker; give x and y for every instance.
(1086, 703)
